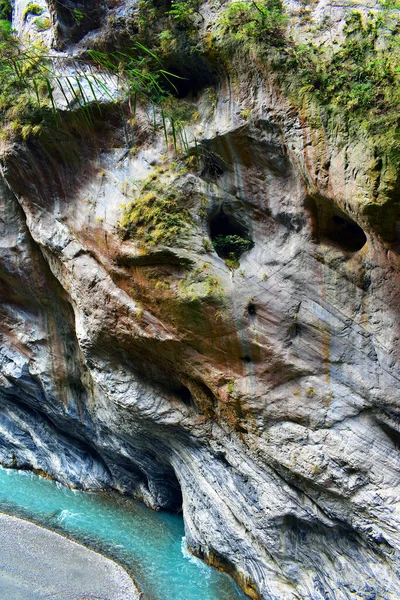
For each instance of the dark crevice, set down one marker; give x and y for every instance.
(189, 75)
(251, 309)
(229, 237)
(222, 224)
(332, 226)
(75, 18)
(391, 433)
(184, 394)
(212, 165)
(246, 359)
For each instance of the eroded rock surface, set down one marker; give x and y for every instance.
(261, 399)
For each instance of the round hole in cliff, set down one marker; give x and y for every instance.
(246, 359)
(229, 238)
(332, 226)
(189, 75)
(76, 18)
(251, 309)
(184, 394)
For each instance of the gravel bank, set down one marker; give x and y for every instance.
(36, 563)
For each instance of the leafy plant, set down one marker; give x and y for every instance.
(184, 11)
(78, 15)
(231, 246)
(28, 84)
(5, 9)
(263, 21)
(42, 23)
(360, 81)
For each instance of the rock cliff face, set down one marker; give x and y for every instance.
(259, 394)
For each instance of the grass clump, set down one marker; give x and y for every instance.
(230, 248)
(24, 93)
(252, 22)
(359, 82)
(5, 17)
(354, 84)
(42, 23)
(32, 9)
(199, 286)
(184, 11)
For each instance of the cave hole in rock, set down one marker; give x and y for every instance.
(332, 226)
(185, 396)
(391, 433)
(76, 18)
(229, 238)
(189, 76)
(251, 309)
(212, 165)
(246, 359)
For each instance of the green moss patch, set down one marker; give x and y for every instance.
(156, 216)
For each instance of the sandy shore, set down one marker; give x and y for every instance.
(36, 563)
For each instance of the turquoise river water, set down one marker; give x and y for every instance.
(149, 544)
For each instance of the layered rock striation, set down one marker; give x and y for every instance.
(257, 390)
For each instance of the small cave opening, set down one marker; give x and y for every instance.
(188, 76)
(229, 238)
(391, 433)
(213, 166)
(334, 227)
(246, 358)
(76, 18)
(251, 309)
(185, 396)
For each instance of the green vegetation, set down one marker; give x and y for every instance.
(32, 9)
(27, 96)
(229, 245)
(355, 83)
(23, 91)
(254, 22)
(140, 68)
(78, 15)
(184, 11)
(230, 248)
(42, 23)
(199, 285)
(5, 9)
(5, 17)
(156, 216)
(28, 84)
(360, 81)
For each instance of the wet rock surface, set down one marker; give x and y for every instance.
(261, 397)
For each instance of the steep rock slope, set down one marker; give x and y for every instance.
(259, 391)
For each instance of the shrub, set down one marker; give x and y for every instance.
(231, 246)
(5, 9)
(262, 21)
(42, 23)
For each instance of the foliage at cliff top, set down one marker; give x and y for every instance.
(29, 84)
(359, 81)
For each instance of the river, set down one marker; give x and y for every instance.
(150, 545)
